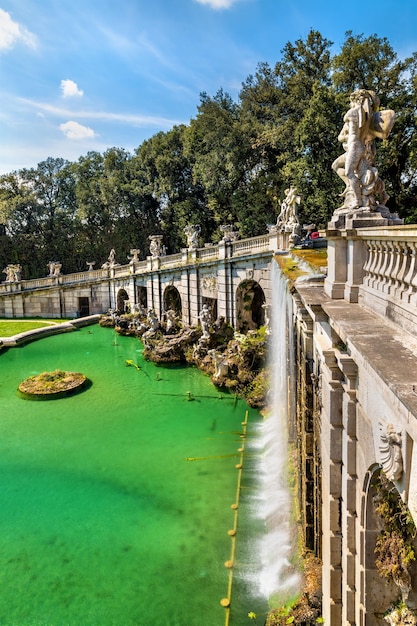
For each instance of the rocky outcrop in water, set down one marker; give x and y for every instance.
(233, 361)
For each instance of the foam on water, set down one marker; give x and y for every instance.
(273, 501)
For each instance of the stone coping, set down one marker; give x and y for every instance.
(390, 351)
(53, 329)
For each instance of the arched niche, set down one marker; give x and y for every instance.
(377, 594)
(122, 298)
(172, 300)
(142, 296)
(250, 313)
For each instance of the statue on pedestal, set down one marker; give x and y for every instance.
(155, 247)
(192, 231)
(229, 234)
(110, 261)
(364, 192)
(54, 268)
(13, 273)
(205, 320)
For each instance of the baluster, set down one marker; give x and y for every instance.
(413, 283)
(406, 258)
(390, 267)
(377, 283)
(368, 263)
(376, 265)
(411, 274)
(395, 271)
(384, 266)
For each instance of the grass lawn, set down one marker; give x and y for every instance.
(9, 327)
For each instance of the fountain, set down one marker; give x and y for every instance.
(277, 576)
(116, 503)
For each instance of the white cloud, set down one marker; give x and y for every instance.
(124, 118)
(70, 89)
(217, 4)
(12, 32)
(74, 130)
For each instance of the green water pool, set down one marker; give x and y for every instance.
(115, 503)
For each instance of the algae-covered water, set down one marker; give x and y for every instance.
(115, 504)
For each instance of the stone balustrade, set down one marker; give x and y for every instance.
(250, 246)
(391, 265)
(376, 267)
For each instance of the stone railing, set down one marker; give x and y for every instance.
(255, 245)
(119, 271)
(376, 267)
(77, 277)
(251, 246)
(209, 252)
(391, 263)
(171, 260)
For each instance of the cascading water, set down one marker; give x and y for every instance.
(274, 506)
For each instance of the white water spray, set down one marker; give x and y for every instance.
(274, 506)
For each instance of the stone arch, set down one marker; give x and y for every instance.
(142, 296)
(172, 300)
(376, 594)
(250, 314)
(122, 298)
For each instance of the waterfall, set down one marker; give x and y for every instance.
(274, 504)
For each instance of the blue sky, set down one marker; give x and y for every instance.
(80, 75)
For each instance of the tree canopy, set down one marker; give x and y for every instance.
(230, 164)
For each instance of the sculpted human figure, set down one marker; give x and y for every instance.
(356, 167)
(205, 319)
(192, 231)
(9, 274)
(110, 261)
(171, 319)
(229, 234)
(13, 272)
(220, 364)
(288, 219)
(155, 247)
(153, 320)
(54, 268)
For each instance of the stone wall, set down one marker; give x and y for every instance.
(357, 361)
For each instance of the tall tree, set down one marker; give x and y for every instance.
(167, 169)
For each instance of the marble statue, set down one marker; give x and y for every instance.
(13, 273)
(267, 317)
(220, 364)
(363, 122)
(171, 319)
(229, 233)
(192, 231)
(153, 321)
(155, 247)
(205, 320)
(390, 450)
(110, 261)
(288, 217)
(54, 268)
(287, 221)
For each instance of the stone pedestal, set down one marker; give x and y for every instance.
(363, 217)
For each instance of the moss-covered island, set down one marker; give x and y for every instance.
(51, 385)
